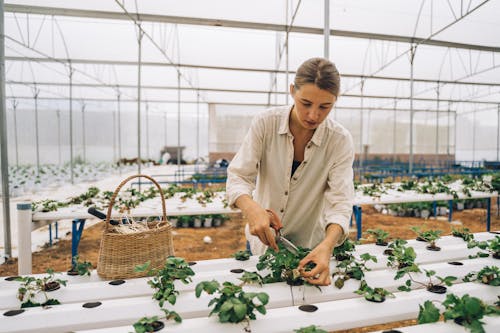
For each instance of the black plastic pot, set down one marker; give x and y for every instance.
(294, 283)
(496, 255)
(117, 282)
(51, 286)
(376, 301)
(382, 243)
(388, 252)
(455, 263)
(237, 270)
(157, 325)
(433, 248)
(13, 313)
(437, 289)
(91, 305)
(72, 273)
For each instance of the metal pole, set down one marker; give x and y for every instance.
(394, 133)
(473, 136)
(58, 114)
(412, 113)
(455, 136)
(139, 42)
(361, 132)
(197, 124)
(37, 141)
(84, 143)
(14, 107)
(178, 120)
(4, 157)
(118, 97)
(148, 156)
(326, 42)
(71, 161)
(113, 126)
(498, 132)
(437, 126)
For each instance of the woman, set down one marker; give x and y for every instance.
(300, 165)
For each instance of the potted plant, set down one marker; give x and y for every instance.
(431, 286)
(207, 223)
(233, 305)
(463, 233)
(197, 221)
(466, 311)
(80, 267)
(30, 287)
(153, 324)
(487, 275)
(282, 265)
(429, 236)
(492, 247)
(345, 250)
(400, 256)
(251, 278)
(310, 329)
(380, 236)
(351, 268)
(242, 255)
(376, 295)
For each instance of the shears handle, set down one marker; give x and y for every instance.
(275, 220)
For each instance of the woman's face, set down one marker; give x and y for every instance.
(312, 105)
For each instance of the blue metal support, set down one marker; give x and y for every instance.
(76, 234)
(434, 208)
(450, 210)
(357, 214)
(488, 215)
(50, 234)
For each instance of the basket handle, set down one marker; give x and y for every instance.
(115, 194)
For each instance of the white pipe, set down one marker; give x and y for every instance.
(24, 238)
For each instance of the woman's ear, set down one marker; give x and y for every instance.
(292, 89)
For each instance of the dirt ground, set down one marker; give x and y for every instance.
(229, 238)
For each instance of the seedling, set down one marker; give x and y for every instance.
(80, 267)
(430, 236)
(251, 278)
(242, 255)
(401, 256)
(233, 304)
(463, 233)
(430, 286)
(310, 329)
(163, 281)
(344, 251)
(465, 311)
(351, 268)
(31, 286)
(488, 275)
(376, 295)
(380, 236)
(283, 265)
(153, 324)
(492, 247)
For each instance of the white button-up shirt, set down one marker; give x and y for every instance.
(319, 193)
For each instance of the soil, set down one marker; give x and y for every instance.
(230, 238)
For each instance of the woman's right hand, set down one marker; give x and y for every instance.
(259, 220)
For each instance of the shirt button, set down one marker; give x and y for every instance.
(282, 210)
(305, 162)
(286, 192)
(308, 146)
(294, 178)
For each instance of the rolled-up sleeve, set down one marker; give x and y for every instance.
(339, 194)
(242, 171)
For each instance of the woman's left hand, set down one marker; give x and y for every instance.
(320, 274)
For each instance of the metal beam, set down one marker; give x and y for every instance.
(43, 10)
(240, 69)
(245, 91)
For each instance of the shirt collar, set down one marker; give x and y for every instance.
(285, 128)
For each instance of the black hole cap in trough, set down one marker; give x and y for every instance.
(91, 305)
(13, 313)
(308, 308)
(117, 282)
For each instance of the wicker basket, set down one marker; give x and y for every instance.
(120, 253)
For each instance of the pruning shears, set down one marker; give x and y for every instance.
(278, 226)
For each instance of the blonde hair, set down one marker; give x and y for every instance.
(321, 72)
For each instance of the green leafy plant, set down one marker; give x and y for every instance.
(149, 324)
(81, 267)
(430, 285)
(345, 250)
(463, 233)
(380, 236)
(163, 281)
(351, 268)
(251, 278)
(31, 286)
(465, 311)
(282, 265)
(491, 246)
(377, 295)
(310, 329)
(487, 275)
(242, 255)
(401, 256)
(233, 305)
(430, 236)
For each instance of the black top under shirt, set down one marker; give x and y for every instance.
(295, 165)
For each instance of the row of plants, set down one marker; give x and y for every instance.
(128, 199)
(198, 221)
